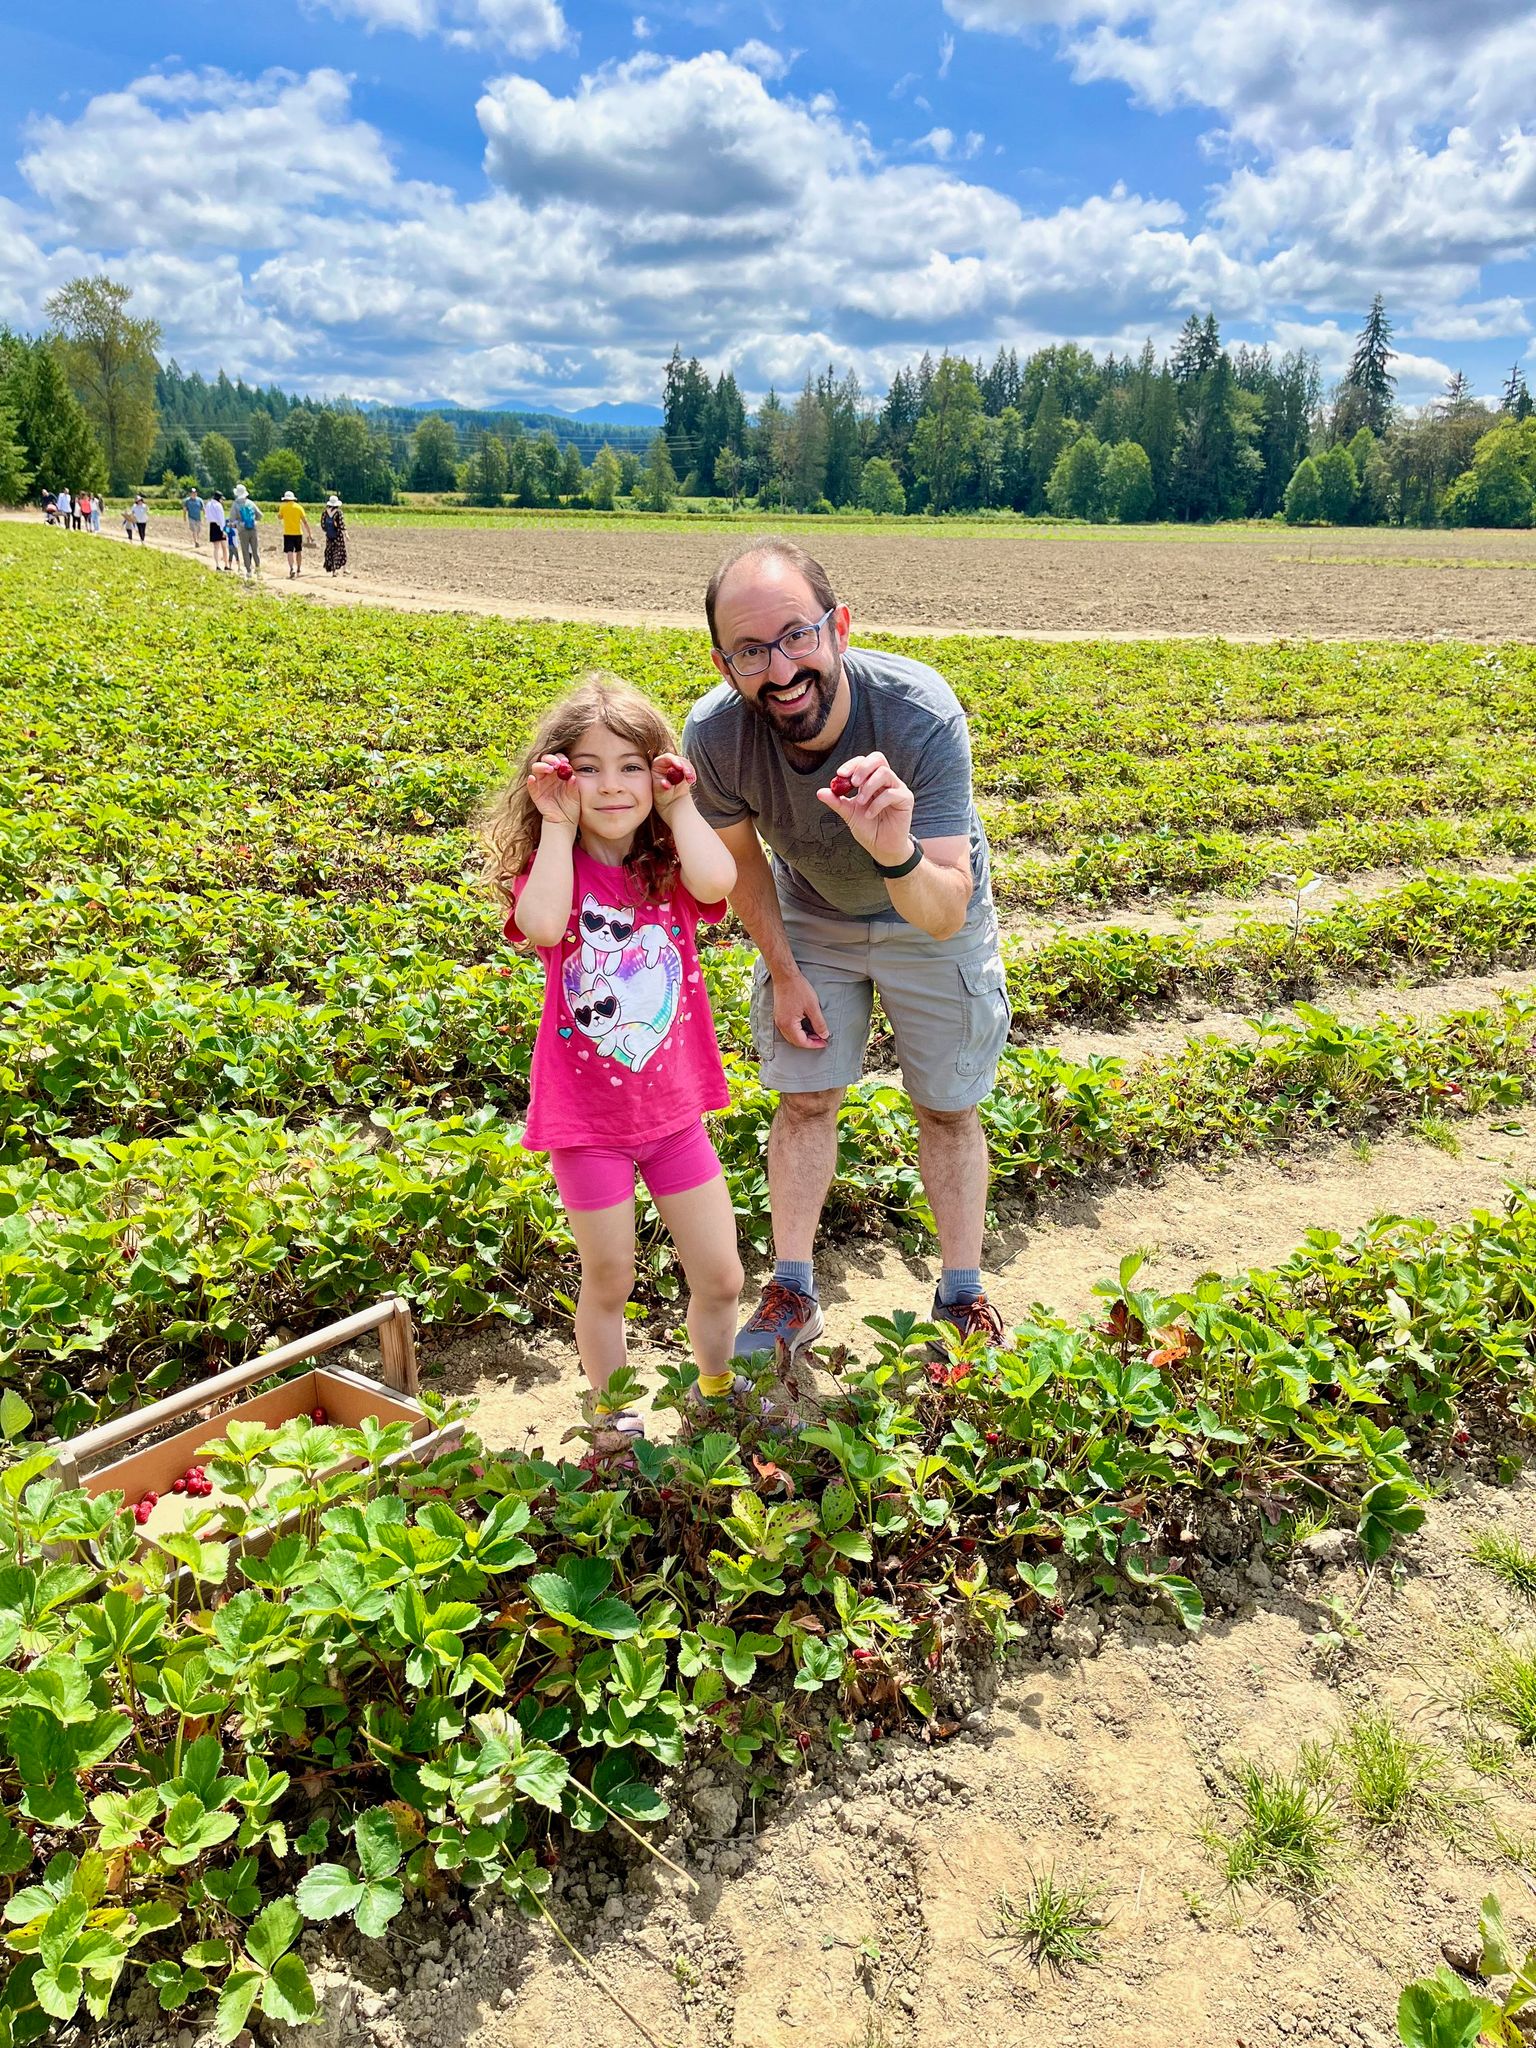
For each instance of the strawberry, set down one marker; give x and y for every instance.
(844, 785)
(673, 774)
(565, 771)
(142, 1513)
(178, 1486)
(318, 1415)
(150, 1500)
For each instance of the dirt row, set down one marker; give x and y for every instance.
(1094, 584)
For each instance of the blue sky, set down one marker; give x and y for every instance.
(534, 199)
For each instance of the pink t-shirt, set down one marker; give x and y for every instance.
(626, 1049)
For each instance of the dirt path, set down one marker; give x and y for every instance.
(862, 1911)
(1366, 584)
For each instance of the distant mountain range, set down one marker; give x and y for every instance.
(610, 413)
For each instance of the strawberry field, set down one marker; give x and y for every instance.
(263, 1058)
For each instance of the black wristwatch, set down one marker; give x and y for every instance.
(901, 867)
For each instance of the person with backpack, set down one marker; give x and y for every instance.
(334, 526)
(247, 518)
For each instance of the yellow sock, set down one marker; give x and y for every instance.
(713, 1384)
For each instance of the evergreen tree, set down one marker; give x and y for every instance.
(728, 473)
(898, 420)
(176, 456)
(1367, 395)
(1013, 458)
(1187, 351)
(658, 481)
(1049, 435)
(572, 476)
(1457, 395)
(807, 449)
(843, 403)
(1303, 495)
(944, 442)
(770, 450)
(685, 406)
(1517, 398)
(486, 482)
(261, 436)
(57, 442)
(15, 471)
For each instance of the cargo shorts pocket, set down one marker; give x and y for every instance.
(765, 1033)
(985, 1014)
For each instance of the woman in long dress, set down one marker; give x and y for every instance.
(335, 537)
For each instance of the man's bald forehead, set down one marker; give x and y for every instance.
(758, 553)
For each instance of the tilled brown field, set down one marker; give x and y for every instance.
(1339, 584)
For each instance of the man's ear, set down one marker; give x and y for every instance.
(721, 667)
(842, 622)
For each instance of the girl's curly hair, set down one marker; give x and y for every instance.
(508, 825)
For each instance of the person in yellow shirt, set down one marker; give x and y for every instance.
(296, 530)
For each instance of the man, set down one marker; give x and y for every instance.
(192, 505)
(296, 530)
(855, 767)
(247, 517)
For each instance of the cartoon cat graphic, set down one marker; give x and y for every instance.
(606, 932)
(622, 988)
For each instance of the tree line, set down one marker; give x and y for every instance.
(1203, 432)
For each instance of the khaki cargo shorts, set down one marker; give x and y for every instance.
(946, 999)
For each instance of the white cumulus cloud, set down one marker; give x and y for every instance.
(525, 28)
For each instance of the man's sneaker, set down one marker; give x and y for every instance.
(976, 1318)
(784, 1316)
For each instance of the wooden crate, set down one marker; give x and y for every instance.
(348, 1397)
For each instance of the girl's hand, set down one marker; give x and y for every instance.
(554, 794)
(672, 778)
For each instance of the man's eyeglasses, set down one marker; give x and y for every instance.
(757, 655)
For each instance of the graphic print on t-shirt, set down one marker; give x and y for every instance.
(622, 989)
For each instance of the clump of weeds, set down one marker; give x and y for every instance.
(1391, 1779)
(1058, 1923)
(1503, 1690)
(1510, 1560)
(1287, 1836)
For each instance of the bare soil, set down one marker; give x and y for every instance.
(1341, 584)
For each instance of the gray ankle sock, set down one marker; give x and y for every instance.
(796, 1273)
(959, 1284)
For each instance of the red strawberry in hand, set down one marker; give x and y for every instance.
(844, 785)
(565, 771)
(674, 773)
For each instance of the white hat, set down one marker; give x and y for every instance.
(289, 499)
(241, 491)
(333, 499)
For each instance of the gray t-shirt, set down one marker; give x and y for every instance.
(898, 708)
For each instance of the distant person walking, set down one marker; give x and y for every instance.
(85, 505)
(63, 510)
(334, 526)
(50, 507)
(140, 514)
(192, 505)
(247, 519)
(296, 528)
(218, 533)
(95, 511)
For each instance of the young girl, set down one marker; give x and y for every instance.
(608, 869)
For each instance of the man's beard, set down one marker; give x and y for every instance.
(801, 728)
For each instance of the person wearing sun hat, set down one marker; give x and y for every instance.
(334, 523)
(247, 518)
(295, 523)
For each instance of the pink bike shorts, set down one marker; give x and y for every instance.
(602, 1176)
